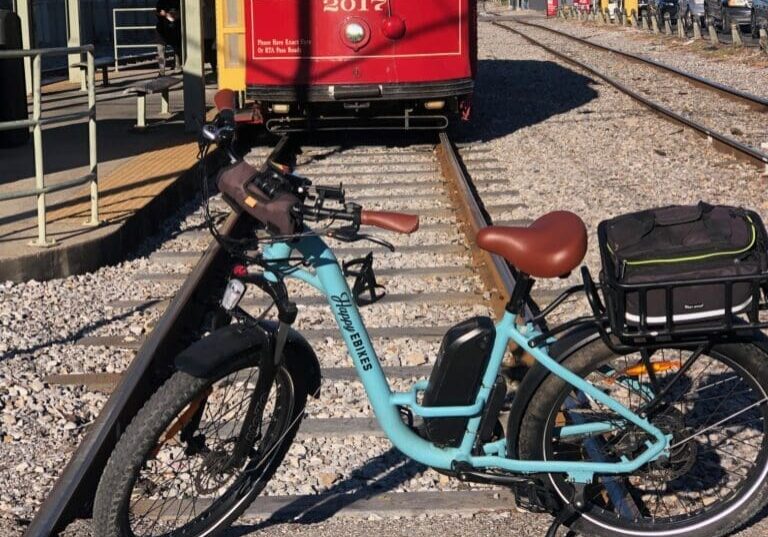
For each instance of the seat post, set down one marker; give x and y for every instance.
(520, 293)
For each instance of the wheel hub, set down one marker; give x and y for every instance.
(680, 459)
(677, 463)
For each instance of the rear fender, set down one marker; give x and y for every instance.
(205, 356)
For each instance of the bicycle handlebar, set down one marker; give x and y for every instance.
(225, 103)
(224, 100)
(390, 221)
(276, 182)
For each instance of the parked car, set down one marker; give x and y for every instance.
(723, 13)
(759, 17)
(692, 9)
(658, 8)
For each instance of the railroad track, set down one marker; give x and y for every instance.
(724, 35)
(689, 100)
(434, 279)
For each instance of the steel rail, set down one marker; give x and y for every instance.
(755, 101)
(720, 141)
(497, 273)
(72, 495)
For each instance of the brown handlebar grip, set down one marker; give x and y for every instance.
(397, 222)
(224, 100)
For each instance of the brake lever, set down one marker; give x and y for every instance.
(380, 242)
(351, 234)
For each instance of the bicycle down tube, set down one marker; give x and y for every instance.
(329, 279)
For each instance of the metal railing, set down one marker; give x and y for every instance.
(116, 29)
(37, 122)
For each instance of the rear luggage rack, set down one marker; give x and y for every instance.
(641, 328)
(610, 317)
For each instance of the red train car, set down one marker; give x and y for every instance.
(324, 64)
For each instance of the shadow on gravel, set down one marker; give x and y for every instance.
(168, 229)
(511, 95)
(377, 476)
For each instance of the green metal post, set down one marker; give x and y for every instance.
(23, 11)
(194, 79)
(93, 143)
(73, 39)
(37, 140)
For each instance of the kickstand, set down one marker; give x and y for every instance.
(566, 515)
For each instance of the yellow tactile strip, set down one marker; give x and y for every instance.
(132, 185)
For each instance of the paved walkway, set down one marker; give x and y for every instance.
(135, 168)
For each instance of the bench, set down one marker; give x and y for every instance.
(161, 85)
(98, 63)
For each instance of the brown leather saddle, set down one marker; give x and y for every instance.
(550, 247)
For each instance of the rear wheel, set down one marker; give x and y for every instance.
(176, 471)
(717, 411)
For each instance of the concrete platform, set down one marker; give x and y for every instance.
(142, 179)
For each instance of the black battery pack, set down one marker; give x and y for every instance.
(457, 376)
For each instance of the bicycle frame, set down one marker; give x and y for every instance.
(329, 279)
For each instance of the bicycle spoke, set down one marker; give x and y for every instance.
(172, 484)
(714, 415)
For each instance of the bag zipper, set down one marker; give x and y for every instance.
(625, 263)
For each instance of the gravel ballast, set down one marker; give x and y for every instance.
(565, 141)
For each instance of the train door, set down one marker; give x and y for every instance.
(230, 43)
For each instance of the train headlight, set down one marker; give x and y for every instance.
(354, 32)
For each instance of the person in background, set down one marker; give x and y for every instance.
(209, 32)
(169, 25)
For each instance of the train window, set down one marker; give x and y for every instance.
(234, 13)
(235, 50)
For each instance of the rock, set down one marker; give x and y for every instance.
(414, 359)
(37, 386)
(136, 330)
(326, 479)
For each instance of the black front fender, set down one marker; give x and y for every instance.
(208, 354)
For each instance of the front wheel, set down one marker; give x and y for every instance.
(716, 411)
(194, 457)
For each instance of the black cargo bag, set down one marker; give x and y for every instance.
(653, 259)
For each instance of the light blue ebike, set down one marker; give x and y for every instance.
(614, 440)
